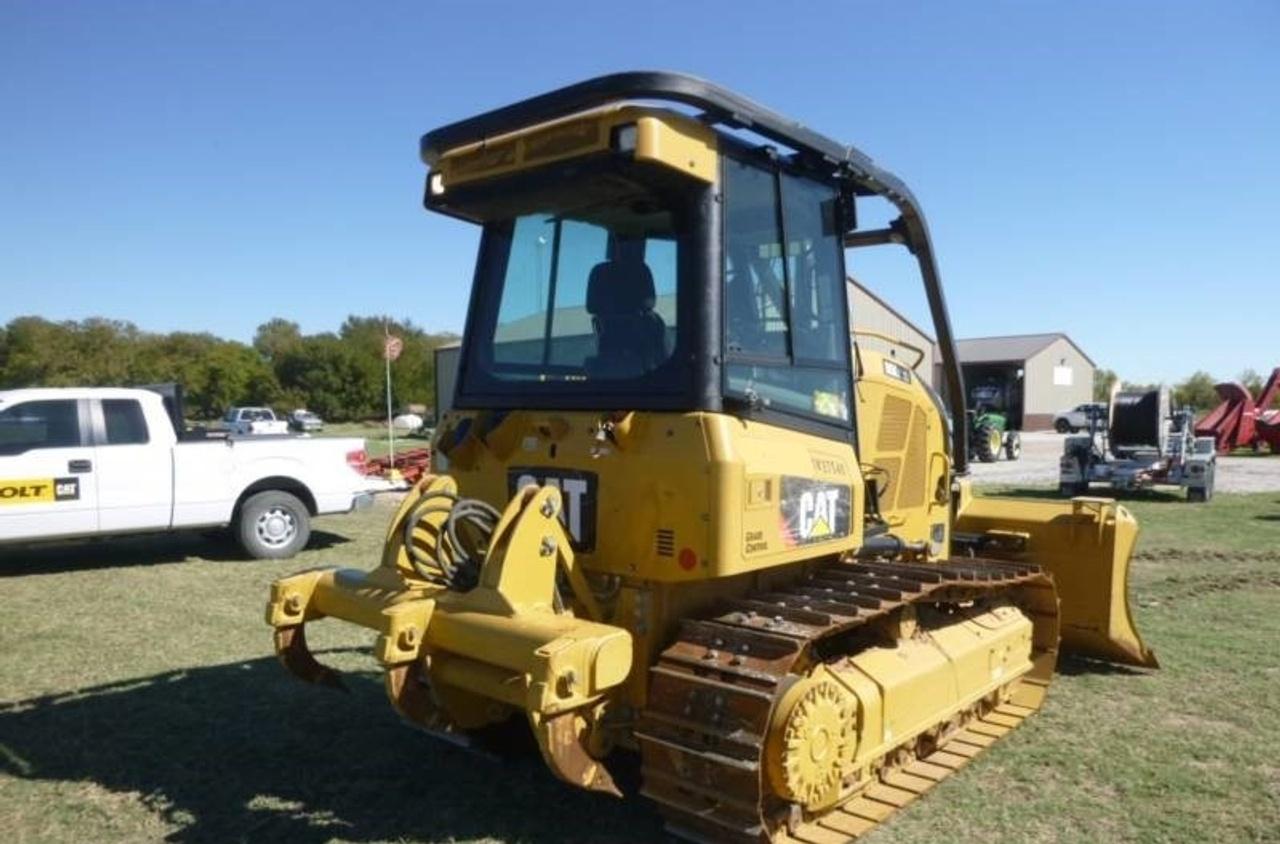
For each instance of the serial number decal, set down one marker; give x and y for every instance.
(825, 464)
(756, 542)
(814, 511)
(39, 491)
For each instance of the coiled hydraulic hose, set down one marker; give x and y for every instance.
(461, 541)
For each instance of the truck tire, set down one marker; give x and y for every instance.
(1012, 445)
(273, 525)
(1062, 426)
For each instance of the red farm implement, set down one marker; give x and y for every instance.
(1241, 422)
(411, 465)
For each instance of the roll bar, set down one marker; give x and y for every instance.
(720, 106)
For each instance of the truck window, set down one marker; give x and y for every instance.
(39, 424)
(124, 422)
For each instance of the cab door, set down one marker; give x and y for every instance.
(48, 488)
(134, 469)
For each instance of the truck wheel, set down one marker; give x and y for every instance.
(273, 525)
(1197, 495)
(1012, 445)
(1061, 426)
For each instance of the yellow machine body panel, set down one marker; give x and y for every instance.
(663, 137)
(668, 497)
(903, 449)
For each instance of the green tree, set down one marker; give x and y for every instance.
(1252, 382)
(1196, 392)
(276, 337)
(1103, 381)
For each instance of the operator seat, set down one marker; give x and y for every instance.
(630, 336)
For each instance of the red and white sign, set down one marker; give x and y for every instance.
(392, 347)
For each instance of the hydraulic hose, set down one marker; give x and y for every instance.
(461, 541)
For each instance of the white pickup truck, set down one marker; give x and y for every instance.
(101, 461)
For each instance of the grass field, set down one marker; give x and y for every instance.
(139, 701)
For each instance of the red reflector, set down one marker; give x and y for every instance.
(687, 559)
(357, 459)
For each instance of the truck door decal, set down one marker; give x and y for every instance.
(39, 491)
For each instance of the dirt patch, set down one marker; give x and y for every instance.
(1191, 586)
(1199, 554)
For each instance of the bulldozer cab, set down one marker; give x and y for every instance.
(642, 257)
(690, 273)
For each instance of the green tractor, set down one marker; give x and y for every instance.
(989, 433)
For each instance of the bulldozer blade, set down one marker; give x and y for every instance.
(1085, 544)
(296, 657)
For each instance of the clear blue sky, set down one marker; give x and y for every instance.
(1107, 169)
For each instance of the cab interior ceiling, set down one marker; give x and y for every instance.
(631, 199)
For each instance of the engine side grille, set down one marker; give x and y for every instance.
(894, 420)
(914, 466)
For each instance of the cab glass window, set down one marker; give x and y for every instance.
(124, 422)
(785, 323)
(586, 301)
(39, 424)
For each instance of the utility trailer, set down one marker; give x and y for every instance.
(1141, 443)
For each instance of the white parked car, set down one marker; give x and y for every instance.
(253, 421)
(102, 461)
(305, 421)
(1077, 418)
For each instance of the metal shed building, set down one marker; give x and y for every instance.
(1045, 373)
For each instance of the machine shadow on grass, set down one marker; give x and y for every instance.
(244, 751)
(142, 550)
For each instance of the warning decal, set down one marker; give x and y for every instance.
(814, 511)
(39, 491)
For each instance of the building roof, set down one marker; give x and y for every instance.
(1014, 347)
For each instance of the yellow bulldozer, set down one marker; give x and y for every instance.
(681, 510)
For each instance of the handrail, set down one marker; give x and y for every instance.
(893, 341)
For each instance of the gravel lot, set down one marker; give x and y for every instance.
(1038, 466)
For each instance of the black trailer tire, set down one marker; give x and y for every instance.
(1197, 495)
(1012, 445)
(273, 525)
(1062, 426)
(987, 443)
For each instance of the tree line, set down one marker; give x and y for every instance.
(1195, 391)
(338, 375)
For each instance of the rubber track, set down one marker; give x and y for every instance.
(712, 695)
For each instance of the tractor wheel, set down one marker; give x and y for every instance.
(1012, 445)
(988, 442)
(1062, 426)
